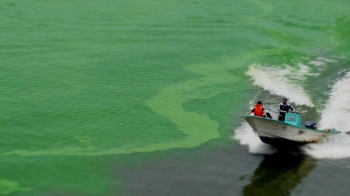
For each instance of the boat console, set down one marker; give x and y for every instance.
(293, 119)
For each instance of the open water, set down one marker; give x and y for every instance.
(133, 97)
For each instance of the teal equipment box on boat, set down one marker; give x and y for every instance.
(293, 119)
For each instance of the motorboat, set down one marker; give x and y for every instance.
(291, 131)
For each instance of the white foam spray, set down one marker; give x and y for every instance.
(283, 82)
(335, 115)
(246, 136)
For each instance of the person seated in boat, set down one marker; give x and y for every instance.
(284, 107)
(258, 110)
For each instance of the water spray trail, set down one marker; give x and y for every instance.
(335, 115)
(283, 82)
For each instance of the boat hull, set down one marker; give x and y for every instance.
(282, 134)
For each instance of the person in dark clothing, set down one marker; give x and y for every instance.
(284, 108)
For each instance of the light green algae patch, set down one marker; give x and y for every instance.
(8, 186)
(169, 102)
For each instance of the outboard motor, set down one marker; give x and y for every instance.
(310, 125)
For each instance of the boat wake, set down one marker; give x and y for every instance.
(282, 81)
(335, 114)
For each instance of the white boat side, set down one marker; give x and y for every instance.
(273, 129)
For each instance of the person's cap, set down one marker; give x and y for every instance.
(285, 99)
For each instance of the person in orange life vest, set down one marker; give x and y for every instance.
(258, 110)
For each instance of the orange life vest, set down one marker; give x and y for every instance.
(259, 110)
